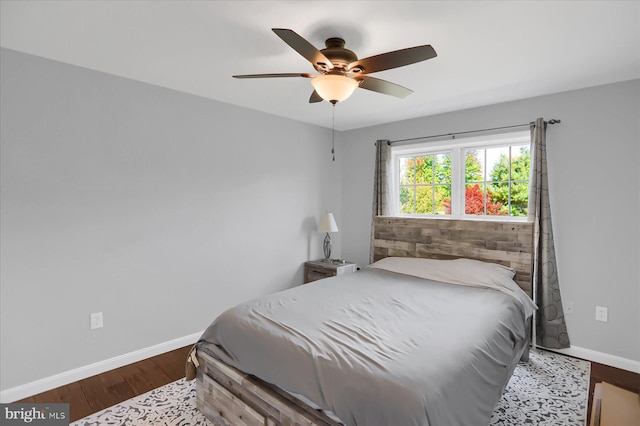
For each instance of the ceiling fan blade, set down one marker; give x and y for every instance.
(315, 97)
(292, 74)
(303, 47)
(383, 86)
(395, 59)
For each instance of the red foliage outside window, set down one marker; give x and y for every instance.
(474, 202)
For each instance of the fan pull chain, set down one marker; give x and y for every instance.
(333, 131)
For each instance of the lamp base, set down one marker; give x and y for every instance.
(326, 246)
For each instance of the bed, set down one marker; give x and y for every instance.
(420, 337)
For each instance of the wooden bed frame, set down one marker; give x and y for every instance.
(228, 397)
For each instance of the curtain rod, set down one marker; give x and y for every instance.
(453, 135)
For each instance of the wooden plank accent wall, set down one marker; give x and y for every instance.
(506, 243)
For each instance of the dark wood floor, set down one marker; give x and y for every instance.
(96, 393)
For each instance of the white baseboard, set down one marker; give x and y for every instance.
(51, 382)
(601, 358)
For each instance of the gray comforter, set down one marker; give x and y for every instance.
(378, 347)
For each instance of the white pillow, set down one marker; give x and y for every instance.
(467, 272)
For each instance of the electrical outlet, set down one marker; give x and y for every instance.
(570, 308)
(602, 313)
(96, 320)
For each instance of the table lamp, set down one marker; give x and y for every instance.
(327, 224)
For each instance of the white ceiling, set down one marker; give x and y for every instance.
(488, 51)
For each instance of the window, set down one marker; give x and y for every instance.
(482, 177)
(425, 183)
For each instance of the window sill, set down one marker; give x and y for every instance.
(506, 219)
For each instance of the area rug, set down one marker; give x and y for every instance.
(550, 389)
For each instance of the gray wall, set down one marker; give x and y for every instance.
(157, 208)
(594, 164)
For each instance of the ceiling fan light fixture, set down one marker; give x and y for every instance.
(334, 88)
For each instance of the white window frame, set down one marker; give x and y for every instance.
(457, 149)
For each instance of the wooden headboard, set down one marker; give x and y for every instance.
(506, 243)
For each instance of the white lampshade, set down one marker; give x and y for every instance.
(327, 223)
(332, 87)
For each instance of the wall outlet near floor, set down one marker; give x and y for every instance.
(570, 308)
(602, 314)
(96, 320)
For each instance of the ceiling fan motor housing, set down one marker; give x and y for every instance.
(337, 54)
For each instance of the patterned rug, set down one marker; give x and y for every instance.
(550, 389)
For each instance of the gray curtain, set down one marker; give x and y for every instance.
(550, 328)
(380, 185)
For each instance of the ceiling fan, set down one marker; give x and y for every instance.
(341, 72)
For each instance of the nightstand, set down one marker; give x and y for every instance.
(318, 269)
